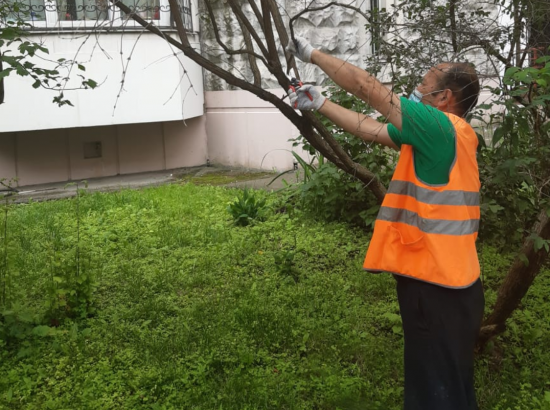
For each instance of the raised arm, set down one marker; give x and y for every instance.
(362, 126)
(352, 79)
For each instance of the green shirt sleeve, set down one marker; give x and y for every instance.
(432, 136)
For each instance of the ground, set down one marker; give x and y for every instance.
(201, 175)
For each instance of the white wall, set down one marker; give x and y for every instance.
(246, 131)
(152, 76)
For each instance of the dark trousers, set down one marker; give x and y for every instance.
(440, 326)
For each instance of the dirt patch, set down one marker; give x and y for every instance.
(224, 177)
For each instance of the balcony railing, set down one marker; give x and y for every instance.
(95, 14)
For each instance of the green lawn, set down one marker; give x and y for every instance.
(152, 299)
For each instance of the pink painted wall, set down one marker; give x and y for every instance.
(37, 157)
(7, 156)
(140, 147)
(42, 156)
(185, 143)
(246, 131)
(82, 168)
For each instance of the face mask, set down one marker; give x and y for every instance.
(416, 96)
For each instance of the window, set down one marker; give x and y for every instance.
(70, 10)
(146, 9)
(93, 14)
(28, 10)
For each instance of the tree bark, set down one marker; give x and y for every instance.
(1, 81)
(517, 282)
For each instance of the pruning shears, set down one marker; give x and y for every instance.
(295, 86)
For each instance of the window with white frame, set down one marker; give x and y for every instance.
(89, 14)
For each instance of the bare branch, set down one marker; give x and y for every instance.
(249, 47)
(239, 13)
(251, 57)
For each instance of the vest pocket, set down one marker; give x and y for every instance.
(410, 237)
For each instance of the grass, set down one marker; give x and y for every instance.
(190, 312)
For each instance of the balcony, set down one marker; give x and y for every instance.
(92, 15)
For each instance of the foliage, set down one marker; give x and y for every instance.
(194, 312)
(515, 167)
(19, 53)
(247, 208)
(68, 282)
(336, 195)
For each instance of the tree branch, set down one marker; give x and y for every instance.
(239, 13)
(283, 36)
(452, 17)
(249, 47)
(251, 57)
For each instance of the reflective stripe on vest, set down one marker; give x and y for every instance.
(434, 198)
(429, 232)
(438, 226)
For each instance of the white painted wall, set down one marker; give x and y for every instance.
(152, 88)
(246, 131)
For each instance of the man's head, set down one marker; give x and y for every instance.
(451, 87)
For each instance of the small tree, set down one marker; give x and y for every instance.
(499, 36)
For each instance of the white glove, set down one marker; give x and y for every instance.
(306, 98)
(301, 49)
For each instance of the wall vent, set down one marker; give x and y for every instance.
(92, 150)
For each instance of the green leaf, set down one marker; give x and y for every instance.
(36, 84)
(81, 67)
(90, 83)
(42, 331)
(6, 72)
(9, 33)
(524, 259)
(538, 243)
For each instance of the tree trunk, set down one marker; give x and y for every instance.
(521, 275)
(1, 82)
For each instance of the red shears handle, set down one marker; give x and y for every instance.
(295, 85)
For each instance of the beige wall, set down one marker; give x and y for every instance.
(246, 131)
(189, 151)
(107, 165)
(36, 157)
(7, 156)
(42, 156)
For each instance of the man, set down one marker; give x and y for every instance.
(427, 226)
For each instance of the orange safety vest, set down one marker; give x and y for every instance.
(428, 232)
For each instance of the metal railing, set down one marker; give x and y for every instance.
(94, 14)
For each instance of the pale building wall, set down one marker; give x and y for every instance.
(337, 31)
(155, 86)
(7, 156)
(42, 156)
(107, 165)
(245, 131)
(35, 157)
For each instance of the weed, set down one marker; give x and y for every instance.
(247, 208)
